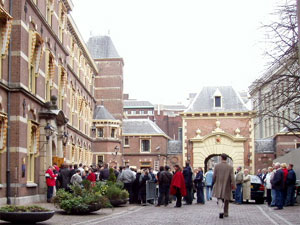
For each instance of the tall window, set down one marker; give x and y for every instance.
(145, 145)
(73, 152)
(5, 31)
(36, 51)
(50, 70)
(100, 131)
(100, 159)
(3, 132)
(113, 133)
(62, 21)
(62, 86)
(49, 11)
(126, 141)
(32, 149)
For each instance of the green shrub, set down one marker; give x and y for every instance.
(30, 208)
(112, 177)
(113, 192)
(81, 200)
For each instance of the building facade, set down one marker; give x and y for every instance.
(50, 106)
(218, 121)
(108, 82)
(136, 109)
(168, 118)
(275, 99)
(145, 145)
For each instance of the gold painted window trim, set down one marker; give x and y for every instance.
(32, 151)
(3, 132)
(6, 19)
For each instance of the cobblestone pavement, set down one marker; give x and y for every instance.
(188, 214)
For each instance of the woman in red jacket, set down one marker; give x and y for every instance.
(92, 176)
(178, 186)
(51, 182)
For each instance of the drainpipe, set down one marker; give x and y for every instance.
(8, 120)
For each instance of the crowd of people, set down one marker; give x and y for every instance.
(278, 180)
(184, 183)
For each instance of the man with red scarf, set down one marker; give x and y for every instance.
(178, 186)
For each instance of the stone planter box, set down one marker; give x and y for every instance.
(26, 217)
(118, 202)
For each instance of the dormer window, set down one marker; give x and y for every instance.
(218, 101)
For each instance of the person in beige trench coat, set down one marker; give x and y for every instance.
(246, 186)
(224, 182)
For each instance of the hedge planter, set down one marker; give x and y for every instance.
(118, 202)
(82, 199)
(90, 208)
(25, 214)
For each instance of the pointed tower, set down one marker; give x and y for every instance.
(109, 81)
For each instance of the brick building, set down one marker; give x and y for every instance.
(218, 121)
(51, 90)
(145, 144)
(168, 118)
(109, 80)
(136, 109)
(107, 133)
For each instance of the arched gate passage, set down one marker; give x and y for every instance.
(214, 159)
(215, 144)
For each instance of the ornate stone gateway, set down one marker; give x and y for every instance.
(216, 143)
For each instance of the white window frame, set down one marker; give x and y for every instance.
(126, 145)
(141, 145)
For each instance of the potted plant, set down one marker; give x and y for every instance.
(116, 195)
(25, 214)
(81, 200)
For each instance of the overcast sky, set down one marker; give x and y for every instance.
(173, 47)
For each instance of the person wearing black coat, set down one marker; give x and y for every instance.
(143, 180)
(278, 184)
(199, 186)
(290, 186)
(64, 177)
(188, 179)
(164, 179)
(136, 189)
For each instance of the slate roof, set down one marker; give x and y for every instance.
(102, 47)
(174, 147)
(141, 126)
(171, 107)
(264, 145)
(137, 104)
(204, 101)
(101, 113)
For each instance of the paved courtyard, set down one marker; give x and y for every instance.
(191, 214)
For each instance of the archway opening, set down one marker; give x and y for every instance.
(214, 159)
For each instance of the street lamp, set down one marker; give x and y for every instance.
(116, 150)
(48, 131)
